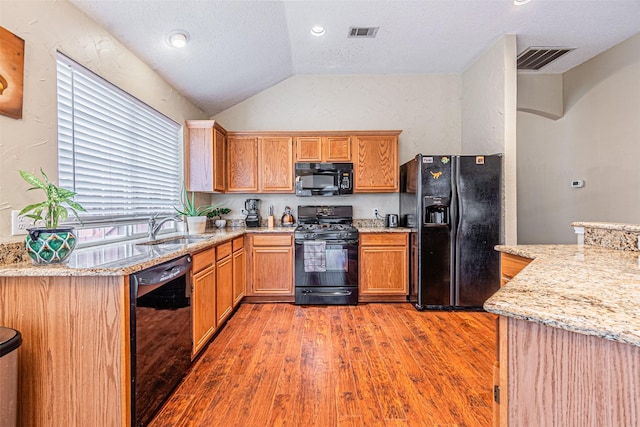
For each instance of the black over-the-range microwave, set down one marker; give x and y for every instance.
(324, 179)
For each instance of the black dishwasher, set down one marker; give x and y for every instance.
(160, 334)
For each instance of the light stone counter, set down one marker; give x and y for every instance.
(579, 288)
(117, 259)
(383, 230)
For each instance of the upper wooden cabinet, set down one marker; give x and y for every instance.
(263, 161)
(242, 162)
(376, 167)
(206, 153)
(275, 163)
(259, 164)
(323, 149)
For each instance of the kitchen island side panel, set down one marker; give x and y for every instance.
(71, 365)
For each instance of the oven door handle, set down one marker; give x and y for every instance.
(329, 242)
(327, 294)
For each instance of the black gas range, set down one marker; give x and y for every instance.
(326, 256)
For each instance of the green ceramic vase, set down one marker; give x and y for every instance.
(50, 246)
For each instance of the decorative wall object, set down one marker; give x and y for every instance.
(11, 74)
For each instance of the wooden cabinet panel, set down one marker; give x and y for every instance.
(203, 306)
(510, 265)
(276, 164)
(242, 163)
(223, 250)
(224, 288)
(309, 149)
(383, 266)
(271, 265)
(206, 156)
(203, 259)
(238, 276)
(323, 149)
(376, 165)
(336, 149)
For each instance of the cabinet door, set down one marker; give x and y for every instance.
(238, 276)
(224, 288)
(376, 164)
(242, 163)
(337, 149)
(206, 145)
(276, 164)
(309, 149)
(219, 160)
(383, 264)
(271, 265)
(203, 305)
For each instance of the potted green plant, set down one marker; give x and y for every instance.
(196, 217)
(51, 243)
(216, 215)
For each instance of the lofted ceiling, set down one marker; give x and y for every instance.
(240, 48)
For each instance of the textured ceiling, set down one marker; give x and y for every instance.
(240, 48)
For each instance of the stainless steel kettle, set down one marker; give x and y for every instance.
(391, 220)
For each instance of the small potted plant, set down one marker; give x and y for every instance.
(196, 216)
(216, 214)
(51, 243)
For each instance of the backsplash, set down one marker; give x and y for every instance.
(624, 237)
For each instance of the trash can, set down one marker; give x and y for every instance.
(10, 340)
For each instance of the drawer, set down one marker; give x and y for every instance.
(238, 243)
(383, 239)
(203, 259)
(512, 265)
(272, 240)
(223, 250)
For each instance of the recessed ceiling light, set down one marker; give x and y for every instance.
(318, 30)
(520, 2)
(178, 38)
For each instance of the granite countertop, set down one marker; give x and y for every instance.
(579, 288)
(123, 258)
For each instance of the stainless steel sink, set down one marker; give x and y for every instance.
(177, 241)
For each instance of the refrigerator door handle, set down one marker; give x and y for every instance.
(455, 226)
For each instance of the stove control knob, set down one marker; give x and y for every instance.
(309, 235)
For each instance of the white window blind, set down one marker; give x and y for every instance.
(121, 157)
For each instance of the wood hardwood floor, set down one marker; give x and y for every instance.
(325, 366)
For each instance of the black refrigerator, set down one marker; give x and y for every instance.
(453, 204)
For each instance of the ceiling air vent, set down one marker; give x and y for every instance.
(534, 58)
(363, 32)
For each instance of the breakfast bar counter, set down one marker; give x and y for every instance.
(579, 288)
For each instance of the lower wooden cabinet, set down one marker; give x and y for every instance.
(239, 266)
(203, 299)
(270, 269)
(383, 267)
(224, 282)
(510, 265)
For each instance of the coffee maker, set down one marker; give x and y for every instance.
(251, 208)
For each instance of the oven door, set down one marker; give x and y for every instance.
(326, 263)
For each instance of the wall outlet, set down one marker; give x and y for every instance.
(375, 212)
(19, 223)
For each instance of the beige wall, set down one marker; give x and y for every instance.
(30, 143)
(597, 140)
(425, 107)
(489, 118)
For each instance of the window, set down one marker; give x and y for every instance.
(121, 157)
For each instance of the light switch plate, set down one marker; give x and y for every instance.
(19, 223)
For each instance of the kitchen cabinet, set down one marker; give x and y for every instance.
(242, 163)
(375, 169)
(275, 164)
(224, 282)
(206, 156)
(203, 298)
(323, 149)
(270, 269)
(383, 267)
(259, 164)
(510, 265)
(239, 266)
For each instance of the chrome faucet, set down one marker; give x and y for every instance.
(154, 226)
